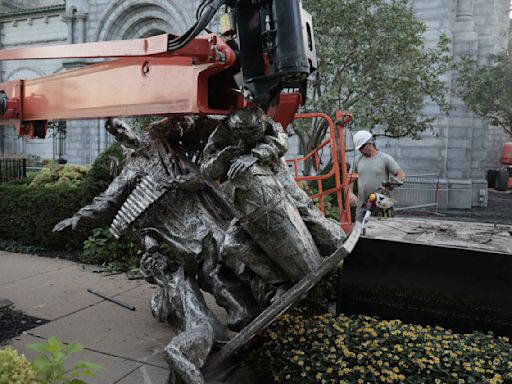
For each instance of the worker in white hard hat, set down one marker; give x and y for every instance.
(372, 166)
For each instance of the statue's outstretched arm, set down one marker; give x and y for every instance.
(103, 208)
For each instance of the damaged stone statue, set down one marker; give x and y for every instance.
(216, 191)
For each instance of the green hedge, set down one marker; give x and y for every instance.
(28, 213)
(361, 349)
(99, 176)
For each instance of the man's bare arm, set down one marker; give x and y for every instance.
(400, 175)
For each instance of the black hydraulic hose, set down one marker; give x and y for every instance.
(207, 14)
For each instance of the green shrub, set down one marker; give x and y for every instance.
(49, 365)
(25, 181)
(18, 247)
(102, 248)
(361, 349)
(28, 214)
(99, 176)
(330, 201)
(15, 369)
(59, 175)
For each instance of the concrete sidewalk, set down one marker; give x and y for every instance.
(126, 343)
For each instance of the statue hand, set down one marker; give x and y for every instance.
(241, 165)
(232, 150)
(69, 222)
(240, 145)
(112, 125)
(153, 264)
(166, 184)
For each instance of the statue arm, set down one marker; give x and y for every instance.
(104, 206)
(273, 145)
(189, 183)
(153, 265)
(218, 154)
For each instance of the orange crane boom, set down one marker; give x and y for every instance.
(167, 74)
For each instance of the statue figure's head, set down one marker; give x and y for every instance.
(247, 124)
(172, 128)
(188, 131)
(122, 132)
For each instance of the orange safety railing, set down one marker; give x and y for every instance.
(342, 179)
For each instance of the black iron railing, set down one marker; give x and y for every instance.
(12, 168)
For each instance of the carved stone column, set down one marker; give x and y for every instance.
(76, 17)
(464, 10)
(81, 32)
(68, 19)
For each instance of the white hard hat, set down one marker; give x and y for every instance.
(361, 138)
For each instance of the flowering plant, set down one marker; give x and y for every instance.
(362, 349)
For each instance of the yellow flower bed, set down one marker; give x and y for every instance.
(361, 349)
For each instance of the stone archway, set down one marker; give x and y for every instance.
(134, 19)
(25, 73)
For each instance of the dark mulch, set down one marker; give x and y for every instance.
(14, 323)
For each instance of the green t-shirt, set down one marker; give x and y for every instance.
(372, 172)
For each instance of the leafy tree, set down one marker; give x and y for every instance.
(487, 90)
(373, 63)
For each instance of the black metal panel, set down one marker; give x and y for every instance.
(290, 60)
(274, 29)
(250, 39)
(460, 289)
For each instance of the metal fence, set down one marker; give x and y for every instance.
(12, 168)
(418, 192)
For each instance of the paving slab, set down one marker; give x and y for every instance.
(116, 368)
(128, 343)
(146, 374)
(143, 291)
(61, 290)
(109, 328)
(19, 266)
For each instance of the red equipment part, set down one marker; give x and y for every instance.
(506, 154)
(104, 49)
(506, 160)
(147, 80)
(342, 179)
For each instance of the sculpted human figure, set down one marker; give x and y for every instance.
(240, 227)
(244, 155)
(180, 302)
(154, 193)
